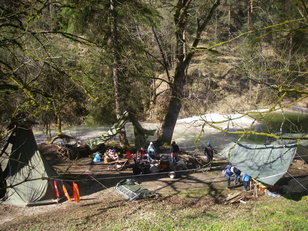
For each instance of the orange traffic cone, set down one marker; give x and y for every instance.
(66, 193)
(56, 188)
(76, 192)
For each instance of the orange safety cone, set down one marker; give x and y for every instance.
(76, 192)
(56, 188)
(66, 193)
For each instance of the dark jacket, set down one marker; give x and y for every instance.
(236, 171)
(228, 171)
(175, 148)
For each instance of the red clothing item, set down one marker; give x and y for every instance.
(129, 155)
(141, 153)
(174, 154)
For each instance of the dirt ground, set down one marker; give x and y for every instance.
(97, 187)
(96, 184)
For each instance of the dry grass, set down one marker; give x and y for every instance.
(196, 211)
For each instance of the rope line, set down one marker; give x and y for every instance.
(132, 176)
(98, 182)
(300, 156)
(298, 181)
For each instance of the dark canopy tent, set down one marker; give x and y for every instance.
(26, 173)
(265, 163)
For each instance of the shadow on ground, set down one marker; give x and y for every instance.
(95, 178)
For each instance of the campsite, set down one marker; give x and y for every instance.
(153, 115)
(199, 192)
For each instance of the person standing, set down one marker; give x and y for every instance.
(209, 152)
(237, 175)
(246, 180)
(228, 174)
(174, 151)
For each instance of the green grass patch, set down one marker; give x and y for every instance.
(263, 214)
(275, 214)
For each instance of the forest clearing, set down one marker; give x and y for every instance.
(196, 199)
(153, 115)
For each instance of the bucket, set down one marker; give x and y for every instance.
(172, 175)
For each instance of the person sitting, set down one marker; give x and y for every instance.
(141, 153)
(110, 155)
(151, 150)
(97, 158)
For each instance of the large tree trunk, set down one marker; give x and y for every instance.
(115, 72)
(183, 60)
(175, 103)
(174, 106)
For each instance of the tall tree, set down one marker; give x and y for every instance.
(115, 69)
(272, 57)
(183, 59)
(33, 64)
(117, 28)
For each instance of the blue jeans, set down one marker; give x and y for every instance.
(228, 181)
(245, 184)
(237, 179)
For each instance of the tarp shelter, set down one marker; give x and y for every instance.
(25, 171)
(265, 163)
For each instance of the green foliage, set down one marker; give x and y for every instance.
(35, 66)
(134, 68)
(55, 76)
(45, 72)
(80, 17)
(100, 115)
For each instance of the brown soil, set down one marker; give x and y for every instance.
(96, 183)
(98, 195)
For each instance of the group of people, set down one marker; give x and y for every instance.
(108, 156)
(149, 156)
(233, 171)
(151, 153)
(148, 160)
